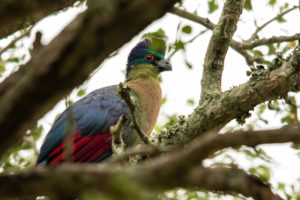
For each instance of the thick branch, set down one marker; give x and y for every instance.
(72, 180)
(230, 180)
(237, 102)
(66, 62)
(208, 144)
(175, 169)
(217, 48)
(16, 15)
(142, 149)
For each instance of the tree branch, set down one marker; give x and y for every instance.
(253, 36)
(236, 102)
(230, 180)
(73, 180)
(210, 26)
(206, 145)
(54, 70)
(249, 58)
(142, 149)
(16, 15)
(240, 47)
(175, 169)
(116, 134)
(124, 92)
(11, 44)
(217, 49)
(195, 18)
(265, 41)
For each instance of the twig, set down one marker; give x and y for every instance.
(30, 141)
(37, 41)
(189, 41)
(15, 40)
(251, 59)
(238, 46)
(185, 14)
(271, 40)
(291, 101)
(124, 93)
(142, 149)
(209, 25)
(253, 36)
(116, 133)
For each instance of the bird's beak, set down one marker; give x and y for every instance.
(164, 65)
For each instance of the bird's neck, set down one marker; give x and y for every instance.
(143, 71)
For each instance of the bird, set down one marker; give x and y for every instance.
(91, 117)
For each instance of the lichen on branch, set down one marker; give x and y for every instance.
(217, 49)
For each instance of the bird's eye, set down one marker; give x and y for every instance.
(149, 57)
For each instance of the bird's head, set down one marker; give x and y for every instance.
(150, 53)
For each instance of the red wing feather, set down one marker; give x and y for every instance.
(85, 148)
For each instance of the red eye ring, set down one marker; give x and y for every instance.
(149, 57)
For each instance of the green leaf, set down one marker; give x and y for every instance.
(272, 2)
(271, 49)
(289, 119)
(70, 102)
(281, 20)
(2, 68)
(81, 93)
(292, 44)
(212, 6)
(262, 108)
(13, 60)
(36, 133)
(257, 53)
(160, 79)
(163, 100)
(262, 171)
(190, 102)
(281, 186)
(56, 117)
(179, 45)
(248, 5)
(160, 33)
(172, 119)
(187, 29)
(284, 6)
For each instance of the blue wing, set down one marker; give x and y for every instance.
(93, 114)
